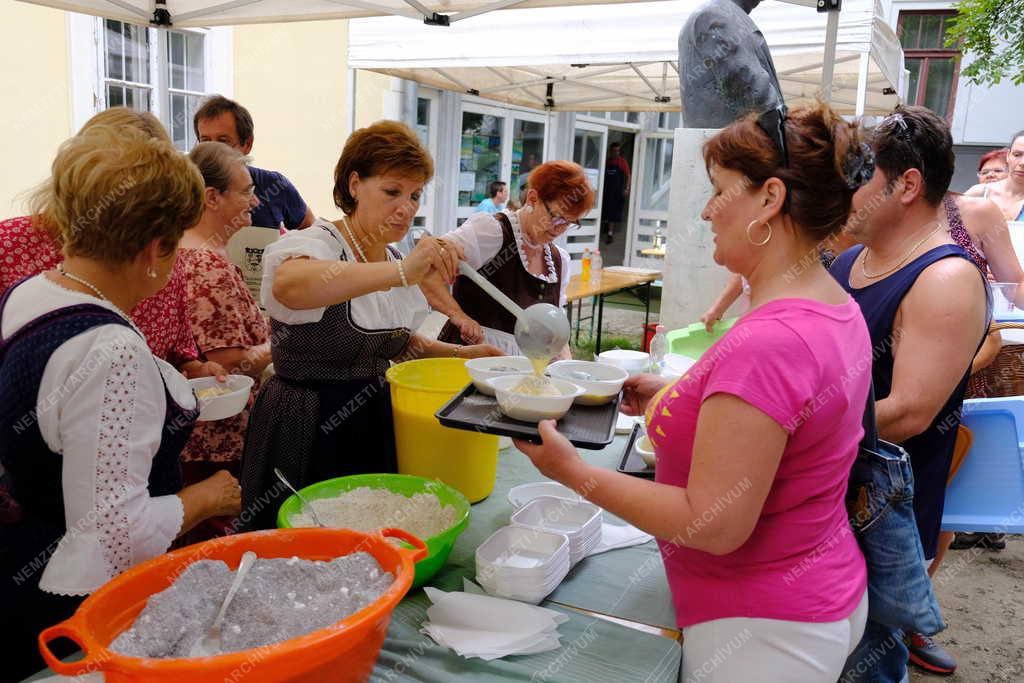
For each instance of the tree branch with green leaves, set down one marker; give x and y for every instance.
(991, 32)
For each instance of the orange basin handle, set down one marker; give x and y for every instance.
(88, 664)
(420, 547)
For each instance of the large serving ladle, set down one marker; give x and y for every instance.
(541, 331)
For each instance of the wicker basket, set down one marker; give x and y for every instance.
(1005, 376)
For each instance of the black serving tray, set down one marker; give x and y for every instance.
(591, 427)
(631, 462)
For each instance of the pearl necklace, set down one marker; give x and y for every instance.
(864, 261)
(352, 239)
(85, 283)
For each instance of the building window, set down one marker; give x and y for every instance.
(934, 68)
(157, 71)
(127, 81)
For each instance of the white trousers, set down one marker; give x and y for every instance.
(740, 649)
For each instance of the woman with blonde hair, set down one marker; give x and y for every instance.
(28, 246)
(92, 422)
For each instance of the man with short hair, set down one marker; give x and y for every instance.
(926, 306)
(615, 192)
(497, 193)
(219, 119)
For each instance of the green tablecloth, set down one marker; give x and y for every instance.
(628, 583)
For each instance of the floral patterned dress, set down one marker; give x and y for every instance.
(223, 315)
(26, 250)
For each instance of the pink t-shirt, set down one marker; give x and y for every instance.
(807, 365)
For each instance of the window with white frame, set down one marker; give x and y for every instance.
(159, 71)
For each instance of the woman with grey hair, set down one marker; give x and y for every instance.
(227, 323)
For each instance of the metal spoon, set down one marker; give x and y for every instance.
(541, 331)
(305, 503)
(210, 644)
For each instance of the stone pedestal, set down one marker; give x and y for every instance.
(692, 279)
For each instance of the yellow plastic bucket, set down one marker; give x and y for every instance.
(462, 459)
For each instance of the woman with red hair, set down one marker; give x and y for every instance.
(515, 251)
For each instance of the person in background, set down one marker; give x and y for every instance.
(343, 306)
(219, 119)
(616, 191)
(1008, 193)
(992, 166)
(515, 251)
(925, 303)
(28, 246)
(96, 471)
(497, 196)
(749, 484)
(227, 323)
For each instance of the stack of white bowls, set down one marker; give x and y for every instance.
(579, 520)
(522, 563)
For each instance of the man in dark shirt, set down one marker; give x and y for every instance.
(219, 119)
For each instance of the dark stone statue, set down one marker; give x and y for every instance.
(725, 68)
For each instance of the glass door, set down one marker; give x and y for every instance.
(527, 152)
(588, 150)
(653, 182)
(480, 157)
(426, 129)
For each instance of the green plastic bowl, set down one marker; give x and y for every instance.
(694, 340)
(438, 547)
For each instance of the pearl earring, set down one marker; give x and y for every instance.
(529, 208)
(151, 273)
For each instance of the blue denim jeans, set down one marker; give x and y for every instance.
(900, 597)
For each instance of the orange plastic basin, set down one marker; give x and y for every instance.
(346, 651)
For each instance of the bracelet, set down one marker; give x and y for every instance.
(455, 351)
(401, 273)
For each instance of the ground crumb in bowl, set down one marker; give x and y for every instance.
(279, 599)
(371, 509)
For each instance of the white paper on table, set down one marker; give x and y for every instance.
(616, 536)
(478, 625)
(624, 423)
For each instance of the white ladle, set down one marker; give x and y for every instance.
(541, 331)
(209, 644)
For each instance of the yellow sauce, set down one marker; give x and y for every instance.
(211, 392)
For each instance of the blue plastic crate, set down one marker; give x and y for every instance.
(987, 493)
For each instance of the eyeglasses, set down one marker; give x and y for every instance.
(773, 123)
(248, 192)
(559, 222)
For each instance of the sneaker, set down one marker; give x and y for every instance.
(927, 655)
(994, 541)
(967, 540)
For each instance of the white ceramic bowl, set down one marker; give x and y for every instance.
(633, 362)
(603, 389)
(533, 408)
(645, 448)
(483, 369)
(520, 495)
(224, 405)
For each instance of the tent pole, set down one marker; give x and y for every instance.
(831, 33)
(862, 85)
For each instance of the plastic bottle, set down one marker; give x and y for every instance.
(658, 350)
(596, 263)
(585, 272)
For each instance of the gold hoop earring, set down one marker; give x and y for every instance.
(766, 239)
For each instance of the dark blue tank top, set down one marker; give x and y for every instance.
(931, 451)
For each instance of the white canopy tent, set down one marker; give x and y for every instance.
(195, 13)
(615, 58)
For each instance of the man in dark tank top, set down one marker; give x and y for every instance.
(926, 306)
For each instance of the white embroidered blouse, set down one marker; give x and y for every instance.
(101, 405)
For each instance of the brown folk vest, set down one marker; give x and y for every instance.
(507, 272)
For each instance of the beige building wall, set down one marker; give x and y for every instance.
(293, 79)
(37, 97)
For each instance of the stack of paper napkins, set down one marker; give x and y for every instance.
(478, 625)
(615, 536)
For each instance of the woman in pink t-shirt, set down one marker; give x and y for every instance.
(756, 441)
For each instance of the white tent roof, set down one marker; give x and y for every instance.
(613, 58)
(186, 13)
